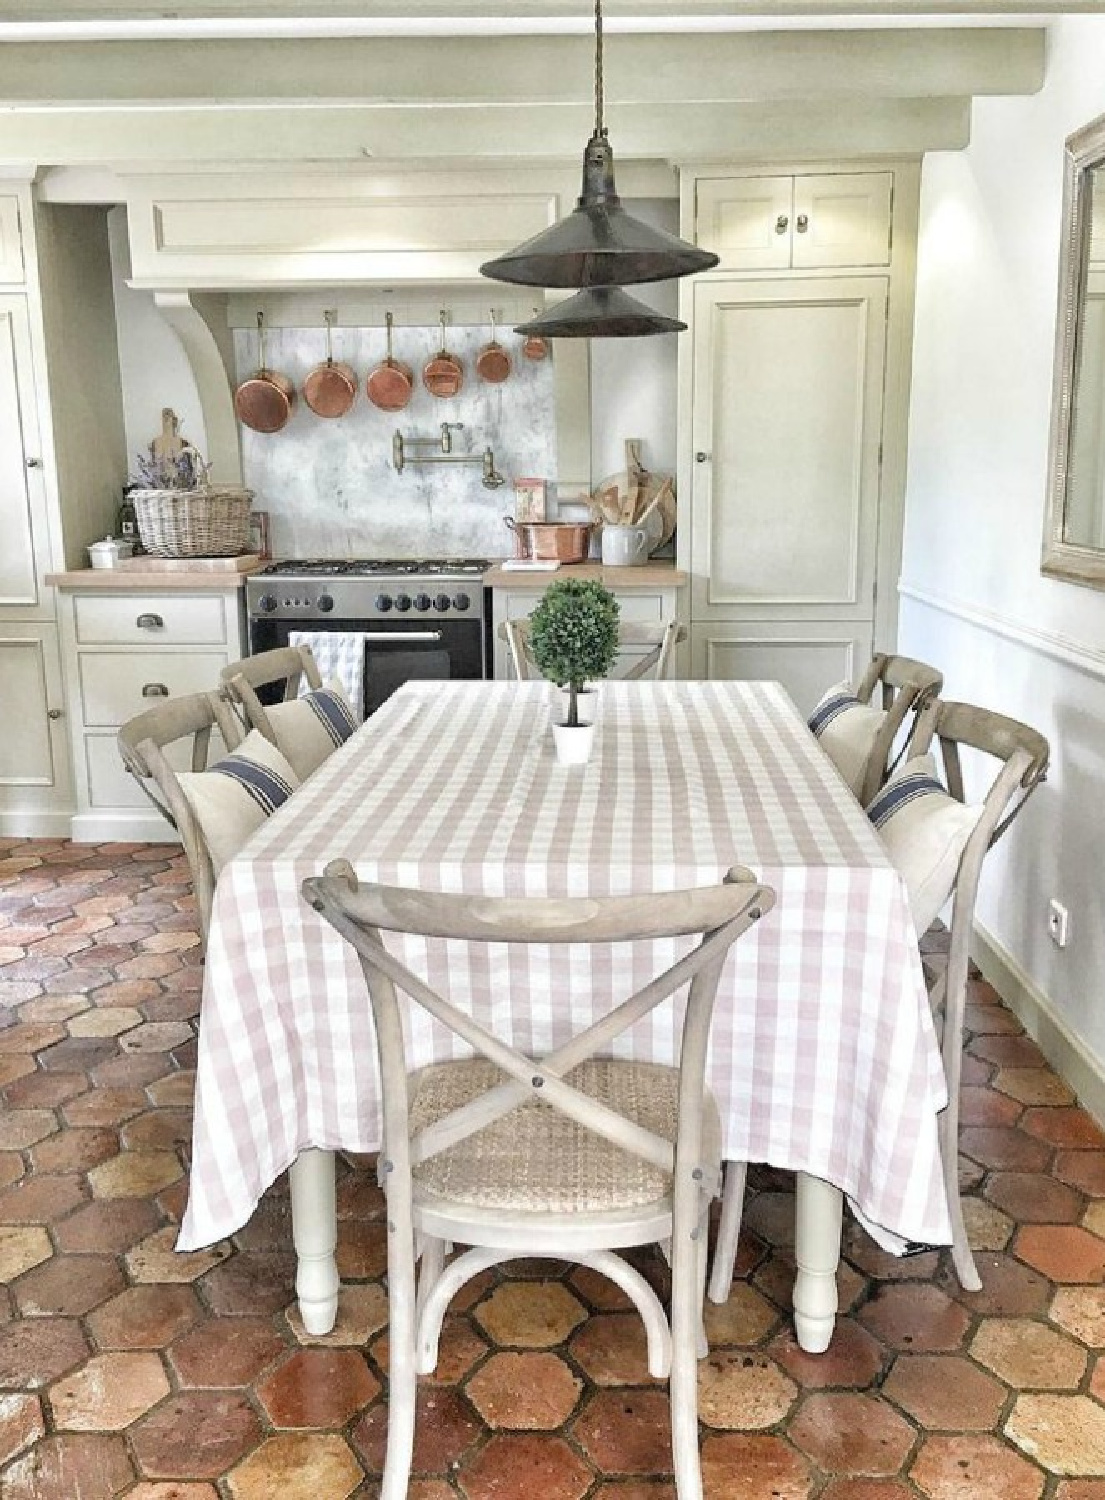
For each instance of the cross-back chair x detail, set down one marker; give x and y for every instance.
(572, 1154)
(654, 643)
(901, 685)
(287, 666)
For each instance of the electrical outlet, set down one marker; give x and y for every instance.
(1058, 923)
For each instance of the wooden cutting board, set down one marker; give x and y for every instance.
(636, 482)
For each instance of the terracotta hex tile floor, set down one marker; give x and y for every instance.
(129, 1371)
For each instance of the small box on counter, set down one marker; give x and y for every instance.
(530, 499)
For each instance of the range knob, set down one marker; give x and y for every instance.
(442, 602)
(402, 602)
(461, 601)
(383, 603)
(422, 602)
(267, 603)
(325, 603)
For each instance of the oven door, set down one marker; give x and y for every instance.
(396, 651)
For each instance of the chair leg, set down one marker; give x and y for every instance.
(686, 1322)
(402, 1379)
(962, 1258)
(725, 1250)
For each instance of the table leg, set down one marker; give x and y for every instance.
(315, 1234)
(819, 1210)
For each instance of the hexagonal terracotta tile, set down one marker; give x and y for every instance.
(108, 1393)
(945, 1391)
(852, 1434)
(853, 1358)
(104, 1021)
(246, 1284)
(226, 1352)
(91, 1465)
(135, 1174)
(1034, 1197)
(20, 1249)
(172, 1489)
(920, 1318)
(318, 1388)
(1064, 1433)
(444, 1430)
(104, 1106)
(75, 1150)
(458, 1349)
(530, 1314)
(21, 1424)
(20, 1128)
(524, 1392)
(156, 1260)
(68, 1286)
(35, 1350)
(297, 1466)
(1028, 1355)
(174, 1091)
(1062, 1252)
(195, 1435)
(1084, 1170)
(108, 1227)
(743, 1390)
(1033, 1086)
(611, 1348)
(1070, 1127)
(145, 1317)
(751, 1466)
(522, 1466)
(746, 1317)
(626, 1431)
(362, 1311)
(1080, 1310)
(951, 1468)
(45, 1090)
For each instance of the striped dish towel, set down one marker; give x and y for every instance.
(340, 655)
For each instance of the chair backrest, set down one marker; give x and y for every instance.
(143, 742)
(902, 685)
(717, 915)
(653, 645)
(285, 667)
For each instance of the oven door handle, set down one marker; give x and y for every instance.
(401, 635)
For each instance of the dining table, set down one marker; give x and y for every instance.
(823, 1055)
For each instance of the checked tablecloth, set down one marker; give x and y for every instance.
(823, 1056)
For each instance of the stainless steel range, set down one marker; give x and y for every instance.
(421, 617)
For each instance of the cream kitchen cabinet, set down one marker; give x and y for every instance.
(127, 648)
(803, 222)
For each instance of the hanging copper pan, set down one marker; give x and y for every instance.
(444, 374)
(331, 388)
(265, 400)
(493, 362)
(389, 384)
(534, 346)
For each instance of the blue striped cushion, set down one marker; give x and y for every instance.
(836, 701)
(268, 788)
(334, 713)
(900, 792)
(233, 799)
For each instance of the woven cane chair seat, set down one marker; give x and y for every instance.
(536, 1158)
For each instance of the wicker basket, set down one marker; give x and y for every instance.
(212, 521)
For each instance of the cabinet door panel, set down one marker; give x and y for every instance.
(746, 221)
(29, 682)
(842, 219)
(788, 401)
(805, 662)
(18, 580)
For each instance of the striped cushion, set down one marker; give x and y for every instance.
(847, 730)
(236, 796)
(312, 727)
(925, 831)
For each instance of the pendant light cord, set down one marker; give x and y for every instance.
(600, 128)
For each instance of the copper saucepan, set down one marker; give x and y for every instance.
(331, 388)
(493, 362)
(534, 346)
(266, 399)
(389, 384)
(443, 375)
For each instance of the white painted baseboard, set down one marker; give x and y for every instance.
(137, 827)
(1066, 1053)
(35, 825)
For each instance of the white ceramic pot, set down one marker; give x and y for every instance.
(587, 705)
(573, 743)
(625, 546)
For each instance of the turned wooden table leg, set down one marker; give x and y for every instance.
(819, 1212)
(315, 1234)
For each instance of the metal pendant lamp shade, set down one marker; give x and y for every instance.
(600, 312)
(599, 247)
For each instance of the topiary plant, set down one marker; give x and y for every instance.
(574, 636)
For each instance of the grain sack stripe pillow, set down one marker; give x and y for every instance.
(268, 788)
(847, 730)
(900, 792)
(831, 707)
(334, 714)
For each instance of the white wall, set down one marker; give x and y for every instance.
(973, 598)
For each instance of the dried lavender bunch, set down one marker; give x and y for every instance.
(187, 471)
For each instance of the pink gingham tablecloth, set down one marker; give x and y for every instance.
(823, 1056)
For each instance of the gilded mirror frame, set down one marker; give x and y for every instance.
(1061, 558)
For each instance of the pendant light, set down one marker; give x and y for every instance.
(599, 245)
(600, 312)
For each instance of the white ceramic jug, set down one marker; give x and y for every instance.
(624, 546)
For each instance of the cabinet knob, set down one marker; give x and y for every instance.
(149, 622)
(700, 457)
(802, 223)
(155, 690)
(782, 223)
(33, 463)
(53, 713)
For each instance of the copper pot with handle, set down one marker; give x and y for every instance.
(390, 383)
(331, 388)
(266, 399)
(534, 346)
(443, 375)
(493, 362)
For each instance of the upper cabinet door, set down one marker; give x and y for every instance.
(745, 220)
(842, 219)
(11, 243)
(22, 497)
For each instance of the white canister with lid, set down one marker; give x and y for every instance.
(109, 553)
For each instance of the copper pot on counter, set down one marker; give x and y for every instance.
(551, 541)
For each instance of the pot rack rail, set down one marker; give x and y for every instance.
(400, 458)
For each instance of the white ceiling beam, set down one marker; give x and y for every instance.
(668, 69)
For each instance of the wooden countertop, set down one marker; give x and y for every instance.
(653, 575)
(134, 578)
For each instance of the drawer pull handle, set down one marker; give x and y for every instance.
(155, 690)
(803, 223)
(782, 223)
(150, 622)
(53, 713)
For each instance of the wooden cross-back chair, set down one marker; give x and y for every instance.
(574, 1154)
(143, 742)
(654, 643)
(1022, 757)
(900, 685)
(284, 668)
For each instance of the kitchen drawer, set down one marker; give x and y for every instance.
(111, 785)
(170, 620)
(633, 607)
(111, 682)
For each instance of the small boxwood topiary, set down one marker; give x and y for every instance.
(574, 636)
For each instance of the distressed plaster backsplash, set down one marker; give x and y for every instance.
(329, 485)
